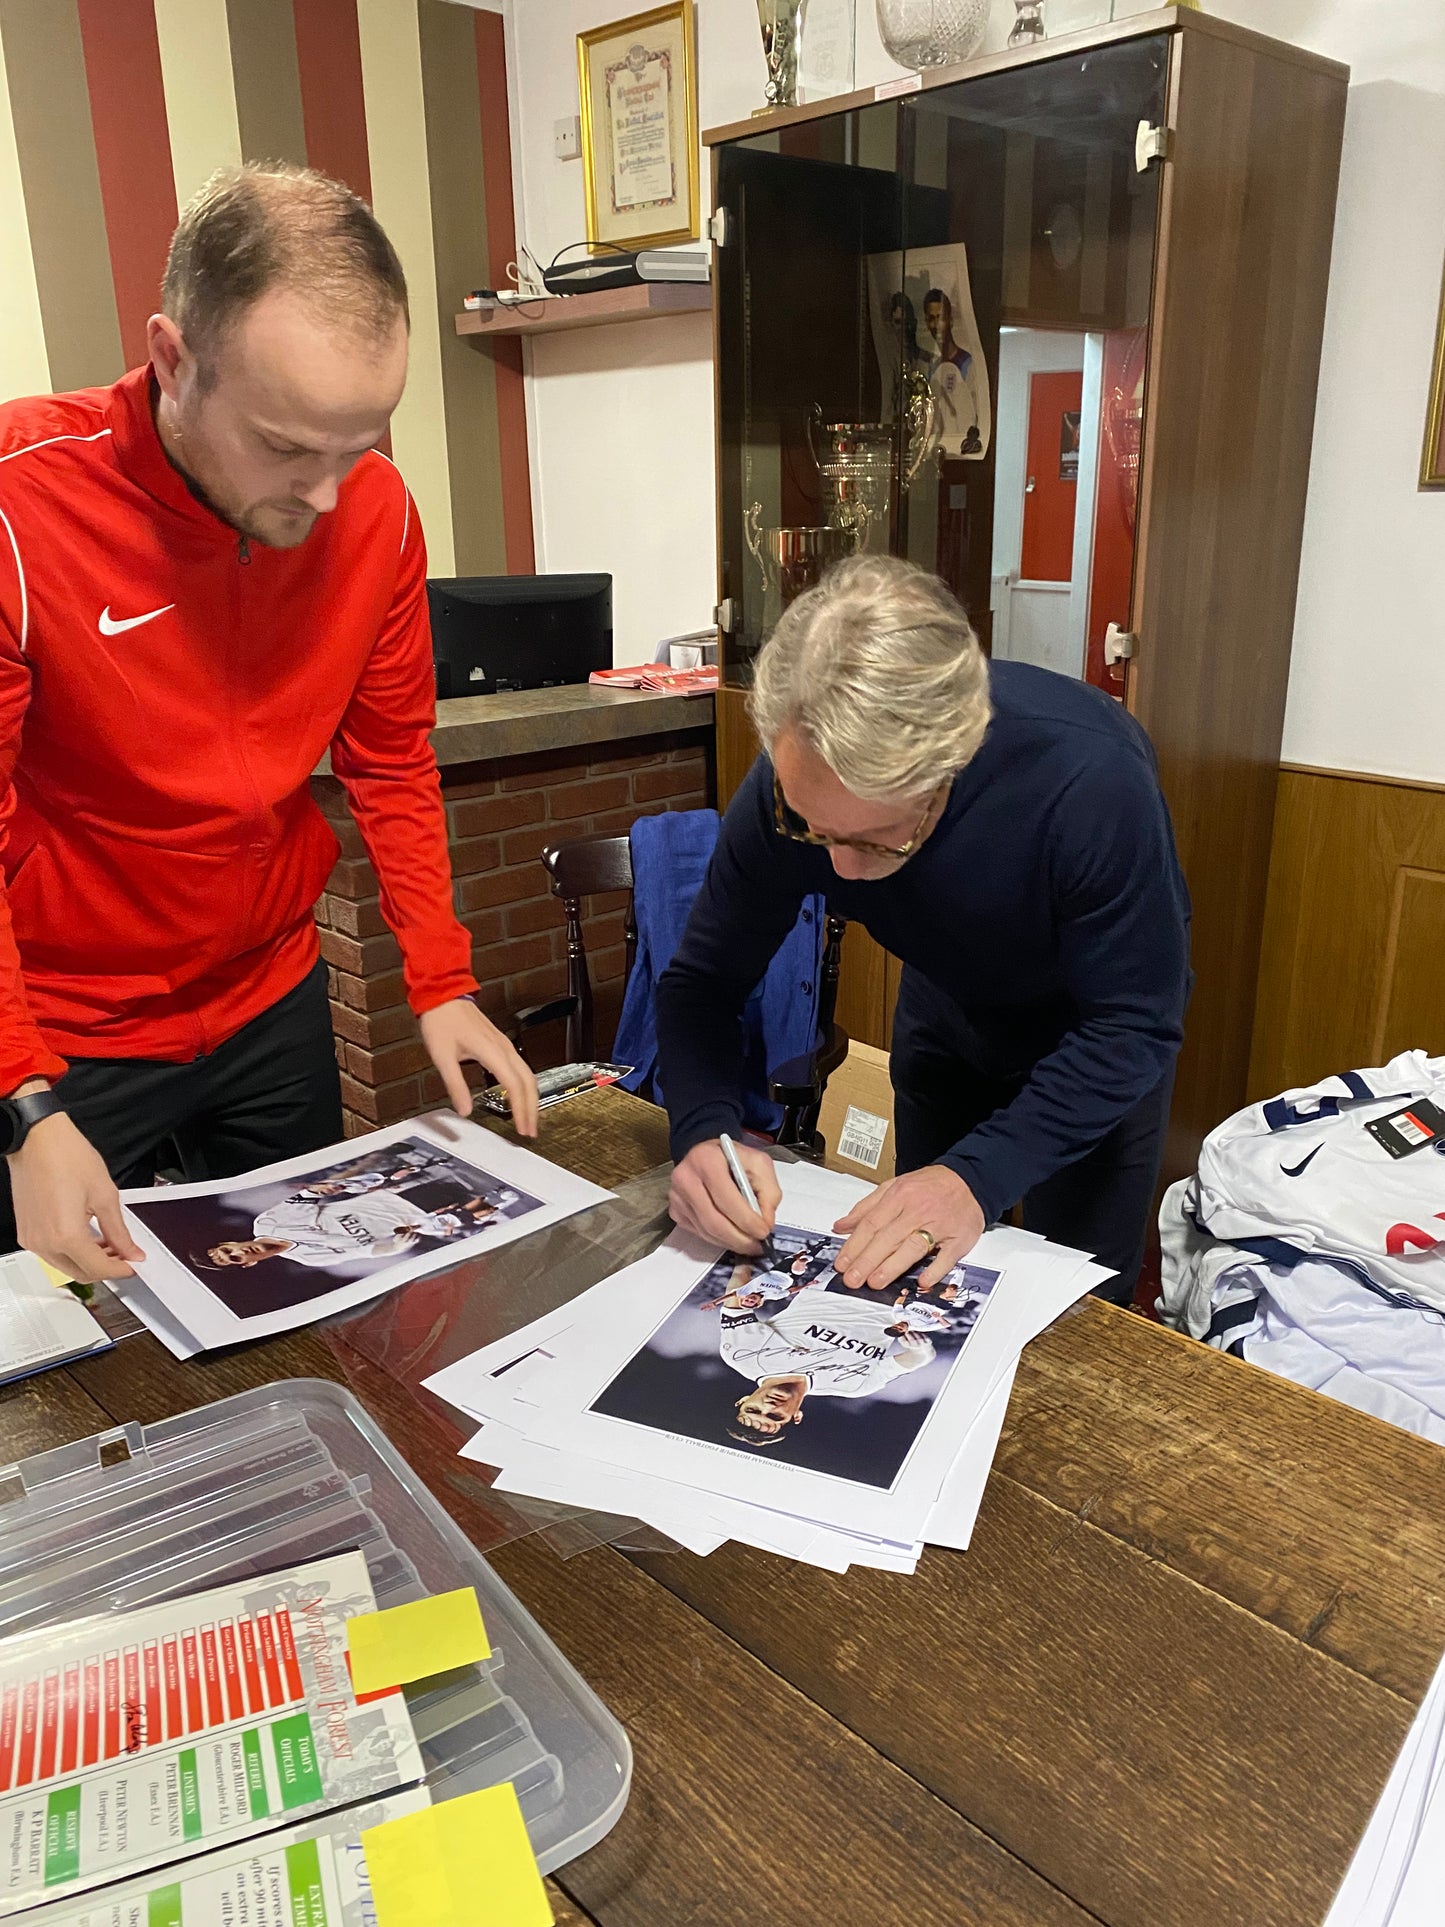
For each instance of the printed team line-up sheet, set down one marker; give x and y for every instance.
(133, 1740)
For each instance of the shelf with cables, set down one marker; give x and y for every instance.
(547, 314)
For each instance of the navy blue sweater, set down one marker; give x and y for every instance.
(1047, 904)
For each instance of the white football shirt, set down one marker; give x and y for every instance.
(354, 1186)
(377, 1225)
(1300, 1176)
(772, 1284)
(840, 1344)
(921, 1316)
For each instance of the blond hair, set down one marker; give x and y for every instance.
(878, 670)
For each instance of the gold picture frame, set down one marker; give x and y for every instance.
(1432, 455)
(639, 76)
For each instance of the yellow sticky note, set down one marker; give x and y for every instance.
(55, 1277)
(465, 1863)
(415, 1641)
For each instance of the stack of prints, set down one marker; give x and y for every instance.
(718, 1396)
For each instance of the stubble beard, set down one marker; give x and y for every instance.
(272, 528)
(264, 523)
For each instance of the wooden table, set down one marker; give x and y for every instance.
(1164, 1686)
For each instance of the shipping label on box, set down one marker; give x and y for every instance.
(862, 1137)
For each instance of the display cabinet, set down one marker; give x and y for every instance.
(1049, 324)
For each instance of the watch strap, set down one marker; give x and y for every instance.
(32, 1110)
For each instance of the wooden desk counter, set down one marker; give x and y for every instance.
(1163, 1688)
(529, 722)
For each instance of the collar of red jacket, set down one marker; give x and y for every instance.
(139, 450)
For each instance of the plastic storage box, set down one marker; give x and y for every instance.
(290, 1472)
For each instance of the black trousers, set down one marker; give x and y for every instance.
(271, 1091)
(1102, 1203)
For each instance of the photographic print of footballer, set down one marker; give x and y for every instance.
(227, 1259)
(775, 1356)
(261, 1246)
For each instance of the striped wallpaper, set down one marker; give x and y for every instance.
(112, 114)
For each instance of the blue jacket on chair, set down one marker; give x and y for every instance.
(670, 855)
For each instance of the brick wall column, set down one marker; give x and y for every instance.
(500, 817)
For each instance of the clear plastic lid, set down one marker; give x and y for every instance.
(289, 1472)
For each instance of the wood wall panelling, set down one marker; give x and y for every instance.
(1411, 1009)
(863, 1007)
(1354, 928)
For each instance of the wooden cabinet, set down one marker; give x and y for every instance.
(1138, 217)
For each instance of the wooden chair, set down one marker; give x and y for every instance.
(585, 866)
(588, 866)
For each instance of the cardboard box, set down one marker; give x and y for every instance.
(857, 1115)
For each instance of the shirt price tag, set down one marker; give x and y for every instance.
(861, 1138)
(1410, 1129)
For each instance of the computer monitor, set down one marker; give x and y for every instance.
(496, 632)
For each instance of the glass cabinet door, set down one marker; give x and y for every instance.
(808, 208)
(1023, 286)
(932, 332)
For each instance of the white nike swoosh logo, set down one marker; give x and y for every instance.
(111, 626)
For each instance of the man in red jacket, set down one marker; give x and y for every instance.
(208, 578)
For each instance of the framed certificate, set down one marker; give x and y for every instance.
(638, 88)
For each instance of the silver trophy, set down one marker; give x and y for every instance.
(857, 462)
(792, 560)
(782, 24)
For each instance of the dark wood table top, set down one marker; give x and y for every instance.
(1164, 1687)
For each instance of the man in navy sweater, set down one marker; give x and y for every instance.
(1000, 829)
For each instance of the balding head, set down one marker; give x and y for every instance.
(269, 227)
(281, 350)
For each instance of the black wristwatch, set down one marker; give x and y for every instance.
(20, 1115)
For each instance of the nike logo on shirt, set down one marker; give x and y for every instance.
(110, 625)
(1298, 1169)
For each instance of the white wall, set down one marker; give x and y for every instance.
(621, 419)
(1367, 680)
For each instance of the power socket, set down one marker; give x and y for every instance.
(567, 138)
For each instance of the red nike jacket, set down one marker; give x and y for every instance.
(164, 698)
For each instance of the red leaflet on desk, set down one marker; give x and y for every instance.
(667, 682)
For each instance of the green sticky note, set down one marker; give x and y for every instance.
(465, 1863)
(416, 1641)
